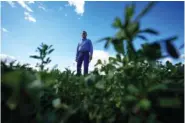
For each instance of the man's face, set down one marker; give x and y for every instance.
(84, 35)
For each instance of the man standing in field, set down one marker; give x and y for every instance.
(84, 53)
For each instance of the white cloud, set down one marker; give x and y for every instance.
(31, 2)
(7, 58)
(182, 56)
(29, 17)
(11, 3)
(25, 6)
(4, 30)
(98, 54)
(42, 7)
(79, 6)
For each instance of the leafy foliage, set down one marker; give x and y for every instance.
(43, 50)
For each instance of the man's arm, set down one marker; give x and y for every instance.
(77, 51)
(91, 49)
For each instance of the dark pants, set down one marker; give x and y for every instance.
(83, 57)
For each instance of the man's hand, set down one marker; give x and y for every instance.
(90, 58)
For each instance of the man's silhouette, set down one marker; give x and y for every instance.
(84, 53)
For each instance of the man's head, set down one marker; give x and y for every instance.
(84, 34)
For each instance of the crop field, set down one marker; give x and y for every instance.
(136, 87)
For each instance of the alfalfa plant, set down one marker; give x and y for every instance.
(44, 50)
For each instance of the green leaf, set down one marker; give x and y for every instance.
(117, 23)
(118, 57)
(89, 79)
(130, 98)
(129, 12)
(142, 37)
(50, 46)
(108, 41)
(108, 90)
(99, 62)
(118, 45)
(121, 34)
(118, 104)
(42, 44)
(12, 78)
(107, 44)
(145, 11)
(132, 89)
(151, 118)
(112, 59)
(131, 51)
(157, 87)
(103, 39)
(12, 63)
(169, 64)
(12, 103)
(149, 31)
(144, 104)
(133, 29)
(110, 75)
(152, 51)
(35, 57)
(45, 47)
(169, 102)
(39, 49)
(49, 52)
(134, 119)
(48, 60)
(171, 49)
(100, 85)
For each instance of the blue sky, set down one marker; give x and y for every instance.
(26, 24)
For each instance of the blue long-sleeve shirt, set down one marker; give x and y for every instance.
(85, 45)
